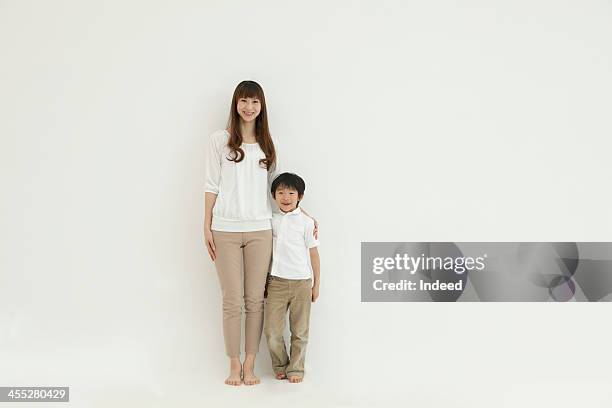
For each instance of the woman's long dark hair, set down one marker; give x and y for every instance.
(250, 89)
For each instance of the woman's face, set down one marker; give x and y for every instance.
(248, 108)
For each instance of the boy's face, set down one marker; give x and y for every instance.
(286, 198)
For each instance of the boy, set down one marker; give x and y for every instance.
(292, 283)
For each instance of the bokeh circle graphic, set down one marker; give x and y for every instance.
(562, 289)
(551, 266)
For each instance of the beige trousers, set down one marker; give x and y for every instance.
(254, 250)
(295, 296)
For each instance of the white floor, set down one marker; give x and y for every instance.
(112, 379)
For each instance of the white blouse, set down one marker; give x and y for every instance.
(243, 189)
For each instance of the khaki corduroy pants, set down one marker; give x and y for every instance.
(295, 296)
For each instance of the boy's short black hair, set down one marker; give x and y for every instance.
(288, 180)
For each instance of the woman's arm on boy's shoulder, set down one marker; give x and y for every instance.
(316, 224)
(316, 272)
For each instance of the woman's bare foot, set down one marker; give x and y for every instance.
(280, 376)
(295, 379)
(249, 377)
(235, 368)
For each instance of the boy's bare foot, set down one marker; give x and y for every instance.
(249, 377)
(295, 379)
(280, 376)
(235, 368)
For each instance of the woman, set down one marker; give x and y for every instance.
(242, 162)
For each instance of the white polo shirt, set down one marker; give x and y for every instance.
(292, 237)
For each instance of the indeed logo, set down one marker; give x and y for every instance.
(412, 264)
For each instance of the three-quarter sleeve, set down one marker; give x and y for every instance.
(213, 165)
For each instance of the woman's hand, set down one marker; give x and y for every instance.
(315, 293)
(315, 232)
(210, 243)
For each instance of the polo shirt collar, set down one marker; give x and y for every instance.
(294, 212)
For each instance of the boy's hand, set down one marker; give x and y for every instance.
(315, 293)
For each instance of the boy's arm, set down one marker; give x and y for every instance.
(316, 272)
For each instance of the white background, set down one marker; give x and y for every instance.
(410, 121)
